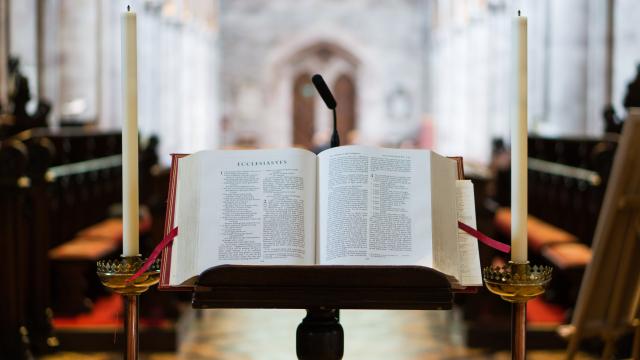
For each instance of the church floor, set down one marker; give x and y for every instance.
(270, 335)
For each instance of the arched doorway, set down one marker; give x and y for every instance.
(303, 111)
(345, 93)
(288, 109)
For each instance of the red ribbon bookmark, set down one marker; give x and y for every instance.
(484, 238)
(174, 232)
(155, 253)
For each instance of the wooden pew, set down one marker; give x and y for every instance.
(53, 185)
(72, 145)
(14, 256)
(567, 178)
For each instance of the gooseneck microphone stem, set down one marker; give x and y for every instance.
(328, 99)
(335, 138)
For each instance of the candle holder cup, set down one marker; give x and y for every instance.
(517, 283)
(114, 274)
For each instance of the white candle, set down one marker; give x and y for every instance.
(519, 151)
(130, 235)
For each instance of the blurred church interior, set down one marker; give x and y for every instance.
(431, 74)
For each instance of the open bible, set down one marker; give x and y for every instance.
(349, 205)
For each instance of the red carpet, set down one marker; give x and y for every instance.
(540, 312)
(106, 313)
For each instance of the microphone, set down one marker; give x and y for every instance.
(324, 91)
(328, 99)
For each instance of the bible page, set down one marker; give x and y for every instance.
(253, 207)
(470, 273)
(374, 207)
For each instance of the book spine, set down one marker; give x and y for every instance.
(165, 267)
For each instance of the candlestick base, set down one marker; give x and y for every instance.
(517, 283)
(114, 274)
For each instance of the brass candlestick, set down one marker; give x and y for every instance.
(114, 274)
(517, 283)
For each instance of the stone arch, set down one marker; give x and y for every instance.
(332, 55)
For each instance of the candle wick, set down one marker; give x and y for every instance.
(518, 12)
(129, 9)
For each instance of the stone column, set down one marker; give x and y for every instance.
(567, 68)
(626, 52)
(49, 58)
(23, 42)
(78, 51)
(598, 63)
(69, 66)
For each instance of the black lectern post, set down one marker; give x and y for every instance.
(322, 291)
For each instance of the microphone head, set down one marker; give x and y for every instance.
(324, 91)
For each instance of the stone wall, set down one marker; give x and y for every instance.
(472, 50)
(178, 72)
(80, 73)
(266, 43)
(444, 63)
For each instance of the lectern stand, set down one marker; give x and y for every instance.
(322, 291)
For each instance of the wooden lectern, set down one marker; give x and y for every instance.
(321, 290)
